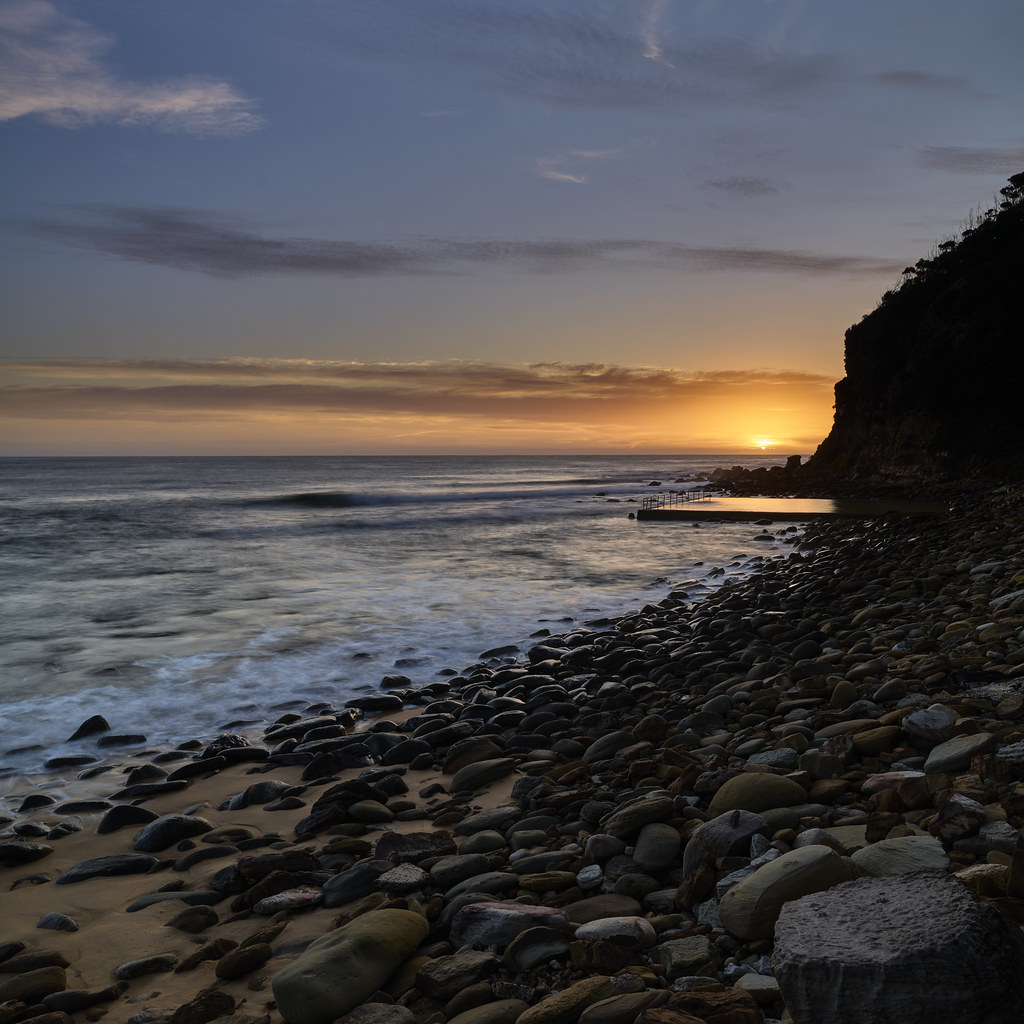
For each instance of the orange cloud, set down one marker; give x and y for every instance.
(306, 405)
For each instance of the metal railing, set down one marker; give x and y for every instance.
(674, 499)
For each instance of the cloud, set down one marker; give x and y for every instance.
(972, 160)
(627, 56)
(194, 241)
(926, 81)
(51, 66)
(745, 186)
(161, 390)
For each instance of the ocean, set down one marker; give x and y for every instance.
(185, 597)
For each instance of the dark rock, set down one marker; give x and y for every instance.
(915, 948)
(20, 851)
(193, 919)
(105, 867)
(242, 961)
(57, 922)
(90, 727)
(34, 961)
(205, 1007)
(74, 999)
(168, 830)
(161, 963)
(32, 986)
(123, 815)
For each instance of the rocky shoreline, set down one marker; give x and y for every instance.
(799, 799)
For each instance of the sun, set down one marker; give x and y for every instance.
(764, 443)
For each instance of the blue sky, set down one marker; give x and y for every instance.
(408, 225)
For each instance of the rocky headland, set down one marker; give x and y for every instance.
(798, 799)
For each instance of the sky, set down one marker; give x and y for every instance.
(472, 226)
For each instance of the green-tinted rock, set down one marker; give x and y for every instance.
(566, 1007)
(751, 908)
(756, 791)
(503, 1011)
(32, 986)
(343, 968)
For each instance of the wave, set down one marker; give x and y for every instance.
(521, 492)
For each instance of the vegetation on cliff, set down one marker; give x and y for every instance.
(934, 374)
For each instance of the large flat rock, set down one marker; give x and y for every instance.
(906, 949)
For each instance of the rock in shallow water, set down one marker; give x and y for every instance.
(915, 948)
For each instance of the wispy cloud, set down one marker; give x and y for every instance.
(194, 241)
(745, 186)
(555, 165)
(51, 66)
(157, 390)
(926, 81)
(972, 160)
(588, 55)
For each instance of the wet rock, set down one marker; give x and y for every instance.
(476, 776)
(205, 1007)
(105, 867)
(354, 883)
(75, 999)
(123, 815)
(194, 920)
(90, 727)
(57, 922)
(160, 963)
(915, 948)
(242, 961)
(21, 851)
(32, 986)
(169, 830)
(365, 952)
(412, 847)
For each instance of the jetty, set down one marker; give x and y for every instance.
(713, 505)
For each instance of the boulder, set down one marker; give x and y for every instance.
(750, 908)
(657, 846)
(901, 856)
(916, 948)
(343, 968)
(756, 791)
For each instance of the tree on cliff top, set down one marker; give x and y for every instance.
(933, 374)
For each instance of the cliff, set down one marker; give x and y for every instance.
(935, 374)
